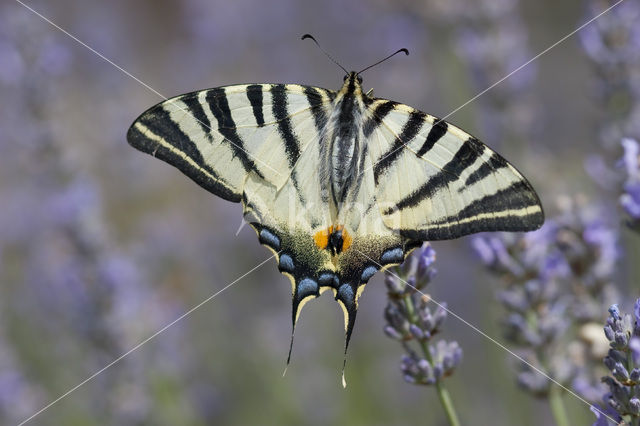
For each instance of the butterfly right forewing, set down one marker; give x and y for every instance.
(434, 181)
(219, 136)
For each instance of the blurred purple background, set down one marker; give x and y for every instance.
(102, 246)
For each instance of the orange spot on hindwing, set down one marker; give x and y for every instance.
(336, 239)
(321, 238)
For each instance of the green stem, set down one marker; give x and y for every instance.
(557, 406)
(443, 394)
(408, 303)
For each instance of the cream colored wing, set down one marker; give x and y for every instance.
(432, 181)
(219, 136)
(257, 144)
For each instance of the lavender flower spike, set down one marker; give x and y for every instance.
(621, 402)
(410, 321)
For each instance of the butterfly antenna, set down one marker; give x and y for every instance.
(324, 51)
(406, 52)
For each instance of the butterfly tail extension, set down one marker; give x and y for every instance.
(347, 297)
(303, 291)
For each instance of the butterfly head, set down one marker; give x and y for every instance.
(352, 83)
(353, 76)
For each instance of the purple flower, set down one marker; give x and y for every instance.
(604, 415)
(409, 319)
(630, 200)
(631, 158)
(612, 39)
(554, 284)
(614, 311)
(612, 43)
(621, 402)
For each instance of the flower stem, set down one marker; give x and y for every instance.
(443, 394)
(557, 406)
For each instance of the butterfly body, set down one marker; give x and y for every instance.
(344, 140)
(339, 185)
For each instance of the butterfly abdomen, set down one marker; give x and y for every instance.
(345, 139)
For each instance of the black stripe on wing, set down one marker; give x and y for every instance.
(159, 122)
(409, 131)
(517, 196)
(438, 130)
(291, 141)
(254, 94)
(317, 107)
(219, 106)
(279, 105)
(194, 106)
(453, 230)
(516, 208)
(377, 115)
(494, 163)
(466, 155)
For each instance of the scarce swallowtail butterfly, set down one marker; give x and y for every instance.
(338, 184)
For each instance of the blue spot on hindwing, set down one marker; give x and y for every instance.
(307, 287)
(394, 255)
(269, 238)
(286, 263)
(345, 293)
(368, 272)
(328, 280)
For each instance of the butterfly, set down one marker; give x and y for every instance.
(337, 184)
